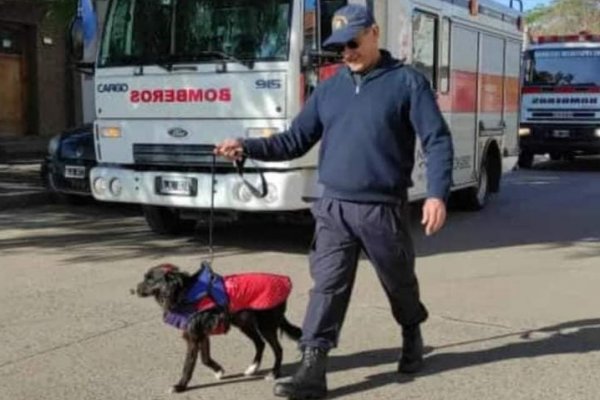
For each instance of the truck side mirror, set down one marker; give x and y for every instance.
(75, 47)
(75, 39)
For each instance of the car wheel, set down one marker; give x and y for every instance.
(166, 221)
(525, 159)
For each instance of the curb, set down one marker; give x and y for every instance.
(25, 199)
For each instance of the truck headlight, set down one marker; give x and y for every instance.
(115, 187)
(272, 195)
(111, 132)
(242, 193)
(53, 144)
(597, 132)
(100, 185)
(524, 131)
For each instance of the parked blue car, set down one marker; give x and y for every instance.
(66, 168)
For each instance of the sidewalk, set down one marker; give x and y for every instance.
(21, 185)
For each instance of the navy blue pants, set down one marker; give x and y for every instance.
(343, 229)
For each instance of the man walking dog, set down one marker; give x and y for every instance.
(367, 117)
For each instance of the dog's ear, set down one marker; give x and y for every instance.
(167, 268)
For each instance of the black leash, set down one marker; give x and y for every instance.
(260, 193)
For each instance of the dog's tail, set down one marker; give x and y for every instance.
(291, 330)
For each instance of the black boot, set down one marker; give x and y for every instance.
(412, 350)
(309, 381)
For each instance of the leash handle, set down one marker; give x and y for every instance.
(260, 193)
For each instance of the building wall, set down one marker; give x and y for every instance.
(50, 90)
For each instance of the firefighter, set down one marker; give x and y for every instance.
(367, 118)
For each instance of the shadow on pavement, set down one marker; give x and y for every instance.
(106, 232)
(547, 206)
(574, 337)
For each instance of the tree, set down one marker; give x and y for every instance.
(563, 17)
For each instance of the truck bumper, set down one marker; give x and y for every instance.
(561, 139)
(287, 190)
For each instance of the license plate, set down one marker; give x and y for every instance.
(74, 172)
(561, 134)
(176, 186)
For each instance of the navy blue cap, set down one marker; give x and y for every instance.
(347, 23)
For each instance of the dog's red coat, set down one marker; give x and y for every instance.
(256, 291)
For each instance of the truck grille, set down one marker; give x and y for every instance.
(175, 154)
(563, 115)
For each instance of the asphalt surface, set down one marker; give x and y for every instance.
(21, 185)
(512, 292)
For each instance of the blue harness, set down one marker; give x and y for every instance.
(208, 284)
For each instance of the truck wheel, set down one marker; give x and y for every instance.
(166, 221)
(555, 156)
(525, 159)
(476, 197)
(570, 157)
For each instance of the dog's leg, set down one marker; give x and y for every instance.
(269, 332)
(190, 362)
(207, 360)
(251, 331)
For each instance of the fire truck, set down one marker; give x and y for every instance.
(174, 77)
(560, 105)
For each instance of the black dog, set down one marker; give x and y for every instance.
(168, 285)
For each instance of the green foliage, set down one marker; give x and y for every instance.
(563, 17)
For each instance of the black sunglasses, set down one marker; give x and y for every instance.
(352, 45)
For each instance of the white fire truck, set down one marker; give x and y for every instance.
(560, 113)
(175, 77)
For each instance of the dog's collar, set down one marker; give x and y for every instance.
(180, 320)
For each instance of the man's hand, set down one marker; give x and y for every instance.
(434, 215)
(230, 148)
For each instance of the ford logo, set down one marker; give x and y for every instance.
(177, 132)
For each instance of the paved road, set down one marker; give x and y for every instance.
(512, 290)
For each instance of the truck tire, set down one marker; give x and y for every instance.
(166, 221)
(556, 156)
(475, 198)
(525, 159)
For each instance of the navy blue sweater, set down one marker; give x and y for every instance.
(367, 134)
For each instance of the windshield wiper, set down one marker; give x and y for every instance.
(223, 56)
(142, 62)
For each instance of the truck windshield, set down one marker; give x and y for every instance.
(141, 32)
(576, 67)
